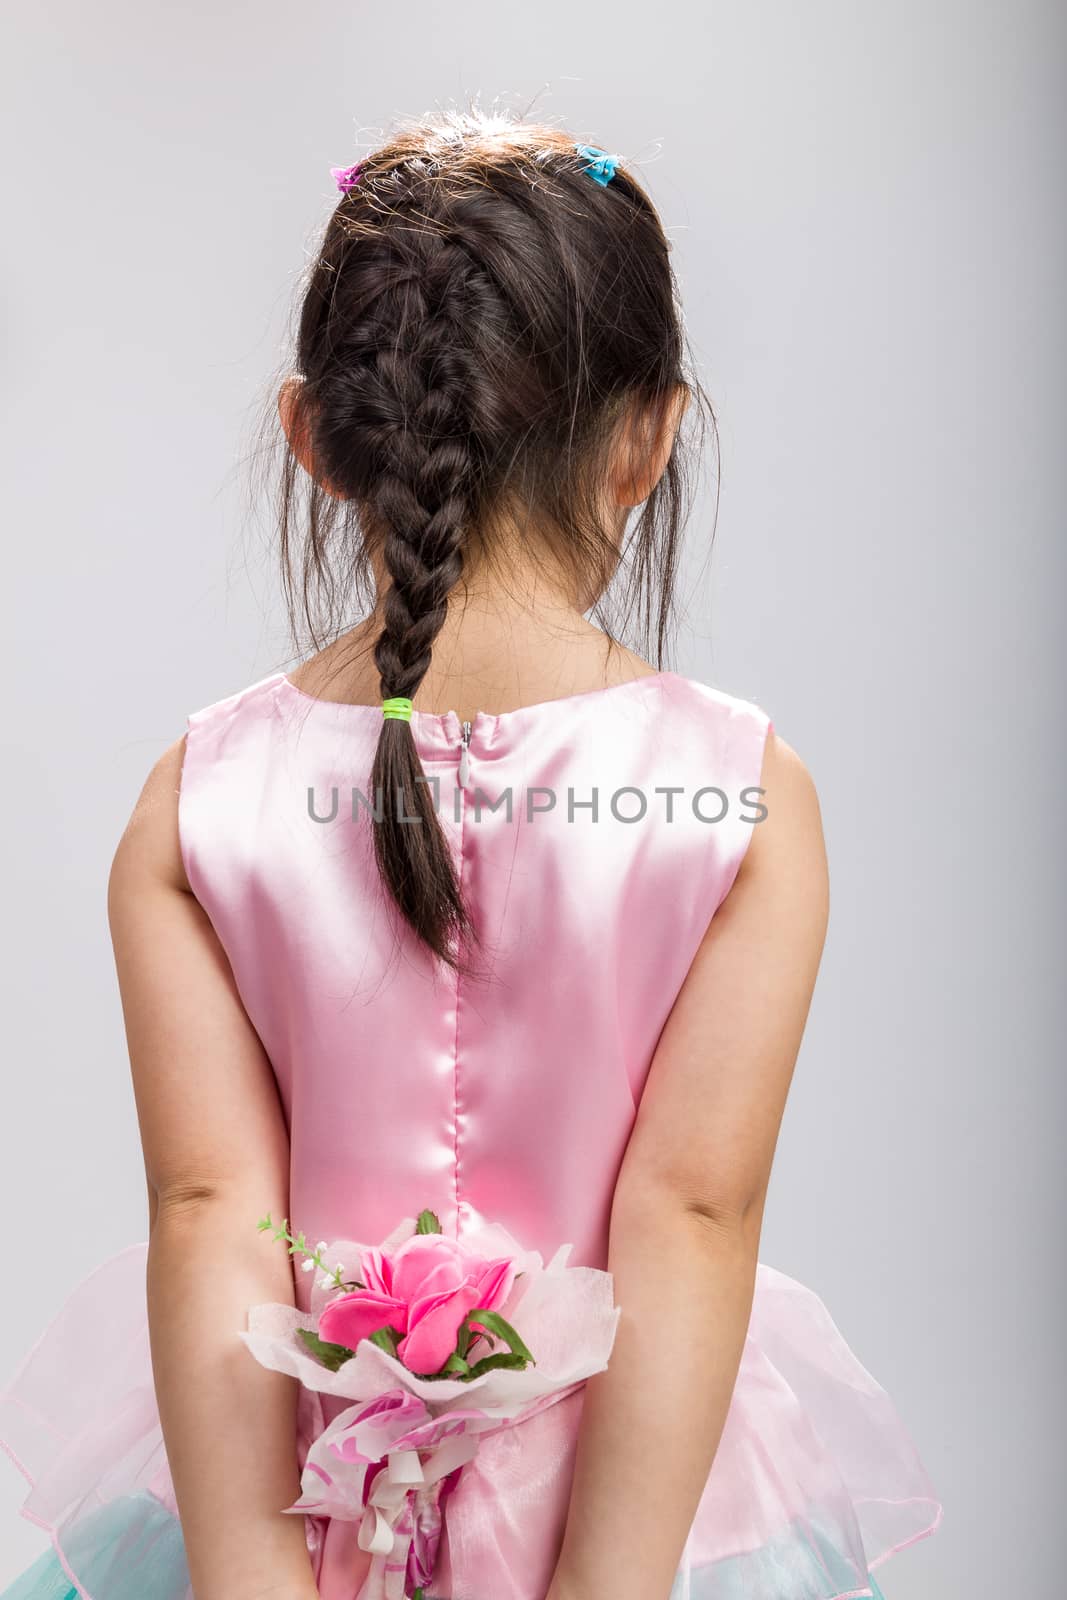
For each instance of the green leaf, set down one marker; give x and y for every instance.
(493, 1322)
(501, 1358)
(454, 1366)
(428, 1222)
(332, 1356)
(386, 1339)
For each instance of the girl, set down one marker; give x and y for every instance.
(554, 982)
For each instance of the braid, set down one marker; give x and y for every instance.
(401, 390)
(423, 495)
(480, 318)
(423, 501)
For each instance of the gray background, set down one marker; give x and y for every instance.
(865, 203)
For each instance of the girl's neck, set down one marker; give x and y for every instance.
(482, 661)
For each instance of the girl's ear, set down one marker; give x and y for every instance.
(294, 422)
(644, 447)
(294, 418)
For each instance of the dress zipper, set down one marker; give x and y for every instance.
(464, 756)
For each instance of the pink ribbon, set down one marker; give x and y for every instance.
(384, 1464)
(388, 1464)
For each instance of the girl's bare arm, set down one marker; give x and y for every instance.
(688, 1208)
(216, 1158)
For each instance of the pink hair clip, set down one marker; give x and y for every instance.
(346, 178)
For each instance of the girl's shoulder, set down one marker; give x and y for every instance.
(151, 846)
(253, 699)
(698, 693)
(731, 731)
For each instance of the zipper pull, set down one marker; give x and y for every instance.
(464, 755)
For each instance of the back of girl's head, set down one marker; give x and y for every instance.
(483, 317)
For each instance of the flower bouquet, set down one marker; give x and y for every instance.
(439, 1343)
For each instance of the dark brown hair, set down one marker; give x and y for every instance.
(481, 317)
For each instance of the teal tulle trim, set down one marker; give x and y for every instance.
(131, 1549)
(45, 1580)
(137, 1534)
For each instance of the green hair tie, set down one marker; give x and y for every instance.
(399, 706)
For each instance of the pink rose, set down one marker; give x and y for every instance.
(424, 1290)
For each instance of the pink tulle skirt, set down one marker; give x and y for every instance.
(816, 1481)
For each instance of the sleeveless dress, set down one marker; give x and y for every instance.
(595, 837)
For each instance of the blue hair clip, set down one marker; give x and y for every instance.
(599, 165)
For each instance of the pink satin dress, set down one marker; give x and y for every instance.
(595, 837)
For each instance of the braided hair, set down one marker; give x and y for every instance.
(477, 319)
